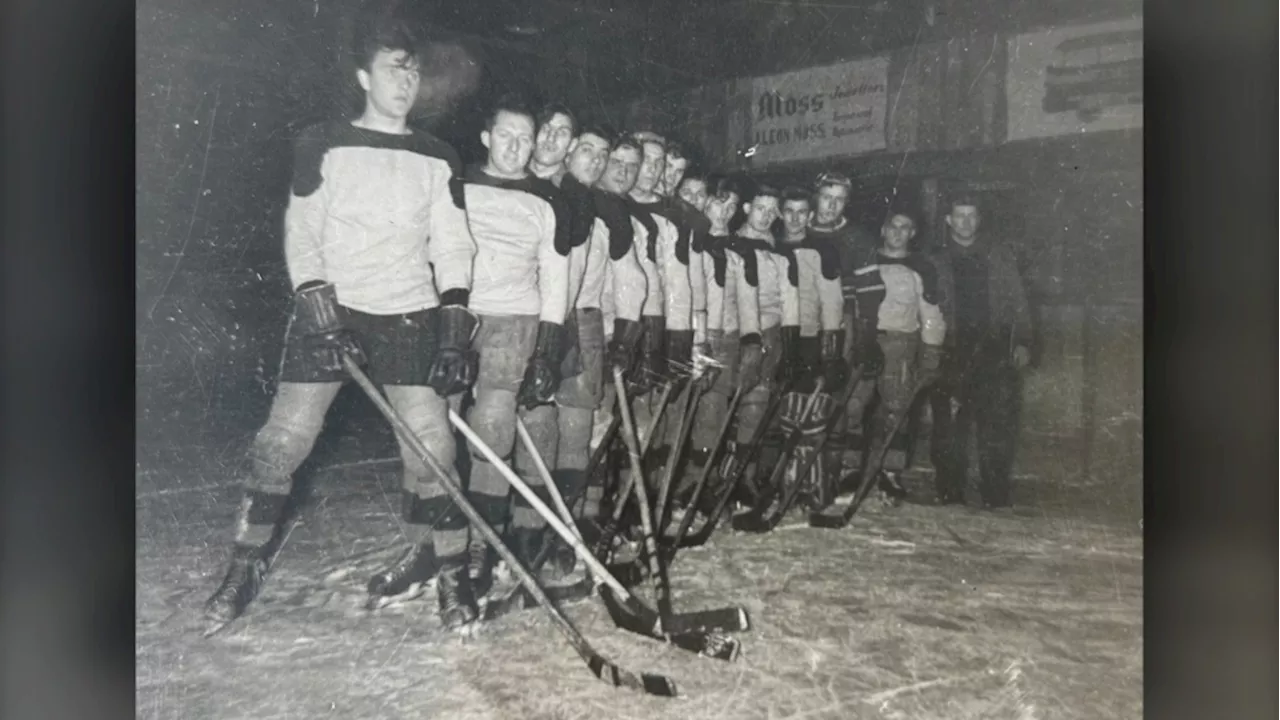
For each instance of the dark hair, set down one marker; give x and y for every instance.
(625, 140)
(378, 28)
(963, 199)
(898, 210)
(509, 102)
(604, 132)
(695, 173)
(553, 109)
(795, 193)
(642, 137)
(676, 150)
(765, 190)
(720, 185)
(831, 177)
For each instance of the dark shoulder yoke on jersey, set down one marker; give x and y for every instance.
(539, 188)
(613, 211)
(644, 214)
(714, 248)
(828, 254)
(317, 140)
(746, 249)
(582, 209)
(674, 211)
(928, 273)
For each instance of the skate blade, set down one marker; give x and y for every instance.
(414, 591)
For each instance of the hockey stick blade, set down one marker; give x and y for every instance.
(703, 644)
(601, 667)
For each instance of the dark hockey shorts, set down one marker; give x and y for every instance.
(400, 349)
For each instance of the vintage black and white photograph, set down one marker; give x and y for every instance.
(634, 360)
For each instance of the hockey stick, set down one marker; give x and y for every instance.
(753, 519)
(687, 521)
(682, 435)
(600, 666)
(730, 485)
(770, 521)
(828, 521)
(641, 619)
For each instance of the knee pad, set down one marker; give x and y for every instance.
(495, 424)
(276, 453)
(487, 479)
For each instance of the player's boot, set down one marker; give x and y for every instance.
(892, 491)
(454, 594)
(417, 564)
(245, 575)
(480, 566)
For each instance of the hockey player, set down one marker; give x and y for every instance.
(379, 255)
(595, 218)
(759, 363)
(668, 349)
(694, 190)
(820, 342)
(898, 291)
(856, 248)
(631, 300)
(733, 317)
(521, 295)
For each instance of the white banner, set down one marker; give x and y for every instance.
(838, 110)
(1077, 79)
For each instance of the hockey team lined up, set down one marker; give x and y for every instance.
(510, 291)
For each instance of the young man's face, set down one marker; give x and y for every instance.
(963, 221)
(897, 233)
(795, 217)
(553, 140)
(588, 156)
(831, 201)
(694, 192)
(761, 212)
(621, 171)
(673, 173)
(651, 167)
(719, 210)
(390, 83)
(510, 142)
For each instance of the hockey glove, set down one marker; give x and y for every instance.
(542, 376)
(315, 310)
(835, 370)
(791, 368)
(455, 365)
(679, 353)
(750, 361)
(653, 363)
(624, 344)
(706, 369)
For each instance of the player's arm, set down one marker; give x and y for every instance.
(748, 298)
(553, 267)
(677, 291)
(451, 247)
(304, 218)
(788, 279)
(714, 294)
(654, 305)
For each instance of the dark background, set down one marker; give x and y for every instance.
(70, 146)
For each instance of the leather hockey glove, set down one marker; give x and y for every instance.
(653, 363)
(835, 370)
(624, 345)
(455, 365)
(792, 371)
(679, 353)
(542, 376)
(750, 361)
(326, 340)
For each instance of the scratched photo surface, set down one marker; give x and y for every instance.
(915, 610)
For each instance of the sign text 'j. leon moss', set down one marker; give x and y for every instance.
(837, 110)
